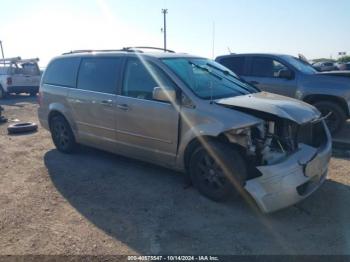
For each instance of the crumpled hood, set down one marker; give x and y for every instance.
(280, 106)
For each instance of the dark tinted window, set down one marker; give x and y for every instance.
(62, 72)
(235, 64)
(99, 74)
(262, 67)
(266, 67)
(141, 77)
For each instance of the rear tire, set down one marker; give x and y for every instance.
(32, 94)
(217, 179)
(336, 120)
(62, 134)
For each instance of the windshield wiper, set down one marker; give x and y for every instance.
(226, 72)
(206, 70)
(217, 76)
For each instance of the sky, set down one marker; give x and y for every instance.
(47, 28)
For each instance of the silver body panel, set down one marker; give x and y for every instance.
(160, 132)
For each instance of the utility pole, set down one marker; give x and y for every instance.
(2, 52)
(164, 11)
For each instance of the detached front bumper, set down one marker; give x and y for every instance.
(292, 180)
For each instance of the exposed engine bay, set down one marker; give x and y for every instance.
(287, 150)
(275, 138)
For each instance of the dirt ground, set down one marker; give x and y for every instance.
(97, 203)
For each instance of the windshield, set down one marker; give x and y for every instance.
(208, 79)
(300, 65)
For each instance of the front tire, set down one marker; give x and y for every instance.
(218, 171)
(337, 116)
(62, 134)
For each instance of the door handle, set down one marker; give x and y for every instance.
(107, 102)
(254, 82)
(124, 107)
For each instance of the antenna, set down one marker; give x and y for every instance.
(229, 50)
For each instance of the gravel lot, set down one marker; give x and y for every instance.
(95, 203)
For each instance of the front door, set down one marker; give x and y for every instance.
(93, 102)
(263, 72)
(146, 129)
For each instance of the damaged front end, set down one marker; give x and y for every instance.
(288, 160)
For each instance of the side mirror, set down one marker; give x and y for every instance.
(164, 94)
(286, 73)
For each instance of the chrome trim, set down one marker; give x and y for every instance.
(95, 126)
(145, 137)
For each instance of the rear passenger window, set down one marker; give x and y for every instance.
(99, 74)
(235, 64)
(62, 72)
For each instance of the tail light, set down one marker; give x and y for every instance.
(9, 80)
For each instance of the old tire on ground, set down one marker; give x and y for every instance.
(62, 134)
(337, 119)
(217, 179)
(22, 128)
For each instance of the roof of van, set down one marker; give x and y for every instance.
(253, 54)
(136, 52)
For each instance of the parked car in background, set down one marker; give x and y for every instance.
(343, 66)
(190, 114)
(290, 76)
(325, 66)
(19, 76)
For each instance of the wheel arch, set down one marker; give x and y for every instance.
(311, 99)
(57, 112)
(197, 141)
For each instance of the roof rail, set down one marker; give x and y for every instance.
(10, 59)
(149, 47)
(125, 49)
(97, 50)
(18, 59)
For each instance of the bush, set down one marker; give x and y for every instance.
(344, 59)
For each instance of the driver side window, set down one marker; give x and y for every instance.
(141, 77)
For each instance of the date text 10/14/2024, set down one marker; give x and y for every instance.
(173, 258)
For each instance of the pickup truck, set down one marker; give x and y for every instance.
(19, 76)
(286, 75)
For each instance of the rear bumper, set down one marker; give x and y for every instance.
(293, 180)
(43, 118)
(23, 89)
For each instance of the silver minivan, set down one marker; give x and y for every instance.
(189, 114)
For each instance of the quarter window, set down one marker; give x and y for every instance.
(99, 74)
(62, 72)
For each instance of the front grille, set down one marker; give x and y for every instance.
(312, 134)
